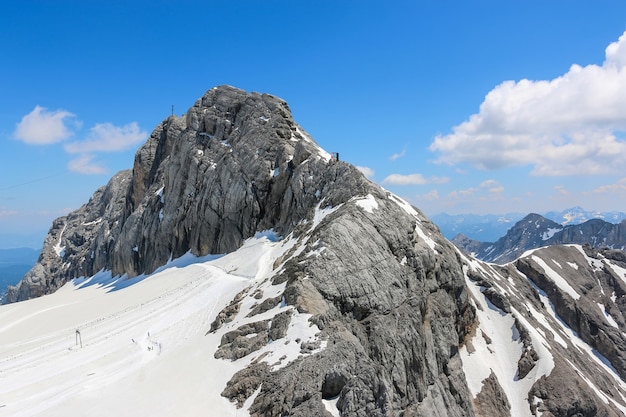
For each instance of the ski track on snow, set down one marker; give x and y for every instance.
(161, 320)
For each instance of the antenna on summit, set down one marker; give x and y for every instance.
(172, 109)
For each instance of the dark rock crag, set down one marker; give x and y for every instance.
(235, 164)
(387, 291)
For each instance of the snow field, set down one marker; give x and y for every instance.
(145, 348)
(556, 278)
(367, 203)
(502, 354)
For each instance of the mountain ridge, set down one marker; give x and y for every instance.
(299, 288)
(491, 227)
(237, 164)
(535, 231)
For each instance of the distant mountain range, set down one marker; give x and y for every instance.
(490, 227)
(535, 231)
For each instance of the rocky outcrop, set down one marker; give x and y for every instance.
(535, 231)
(79, 244)
(574, 398)
(235, 164)
(393, 311)
(398, 322)
(384, 288)
(566, 304)
(578, 302)
(491, 401)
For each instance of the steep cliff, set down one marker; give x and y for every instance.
(384, 287)
(235, 164)
(327, 296)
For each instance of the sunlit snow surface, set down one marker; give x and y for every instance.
(145, 348)
(503, 351)
(367, 203)
(556, 278)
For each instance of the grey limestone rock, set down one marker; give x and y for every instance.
(582, 314)
(392, 309)
(386, 288)
(563, 394)
(387, 292)
(559, 290)
(243, 384)
(491, 401)
(205, 182)
(79, 244)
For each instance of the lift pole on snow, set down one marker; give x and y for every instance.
(79, 338)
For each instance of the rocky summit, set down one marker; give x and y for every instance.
(535, 231)
(399, 321)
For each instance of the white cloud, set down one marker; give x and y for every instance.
(429, 196)
(367, 171)
(492, 186)
(85, 164)
(460, 194)
(397, 155)
(618, 188)
(42, 126)
(413, 179)
(571, 125)
(105, 137)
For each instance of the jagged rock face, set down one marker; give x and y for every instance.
(236, 164)
(78, 244)
(588, 287)
(408, 325)
(566, 305)
(535, 231)
(394, 311)
(384, 287)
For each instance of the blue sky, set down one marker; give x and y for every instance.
(458, 106)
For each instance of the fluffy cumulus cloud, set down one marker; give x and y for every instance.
(85, 164)
(42, 126)
(105, 137)
(618, 188)
(573, 124)
(413, 179)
